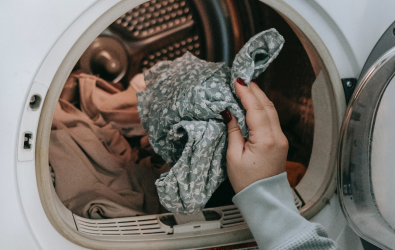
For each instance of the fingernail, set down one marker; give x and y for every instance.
(241, 82)
(226, 115)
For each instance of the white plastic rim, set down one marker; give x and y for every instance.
(65, 54)
(319, 183)
(53, 73)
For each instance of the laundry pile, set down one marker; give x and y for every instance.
(180, 111)
(101, 159)
(103, 165)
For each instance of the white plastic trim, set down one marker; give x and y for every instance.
(151, 225)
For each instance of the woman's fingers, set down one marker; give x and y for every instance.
(256, 117)
(235, 138)
(269, 107)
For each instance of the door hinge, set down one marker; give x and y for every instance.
(349, 85)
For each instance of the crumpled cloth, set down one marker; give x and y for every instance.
(295, 172)
(103, 103)
(180, 110)
(94, 170)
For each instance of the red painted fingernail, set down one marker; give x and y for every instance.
(241, 82)
(226, 115)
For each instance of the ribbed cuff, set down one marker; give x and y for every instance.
(269, 209)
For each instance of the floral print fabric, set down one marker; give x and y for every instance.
(180, 110)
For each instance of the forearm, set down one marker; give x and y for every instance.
(269, 209)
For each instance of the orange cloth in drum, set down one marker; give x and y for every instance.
(295, 172)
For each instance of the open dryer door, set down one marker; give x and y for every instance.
(366, 149)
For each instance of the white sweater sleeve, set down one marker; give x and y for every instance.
(269, 209)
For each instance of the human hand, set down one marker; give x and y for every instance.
(264, 154)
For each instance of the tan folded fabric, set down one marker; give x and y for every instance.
(103, 103)
(93, 164)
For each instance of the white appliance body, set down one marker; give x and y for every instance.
(36, 36)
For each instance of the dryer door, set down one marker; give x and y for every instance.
(366, 176)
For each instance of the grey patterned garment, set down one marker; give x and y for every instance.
(180, 110)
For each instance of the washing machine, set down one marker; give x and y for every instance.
(332, 86)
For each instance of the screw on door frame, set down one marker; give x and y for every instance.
(349, 85)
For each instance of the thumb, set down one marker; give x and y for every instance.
(235, 138)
